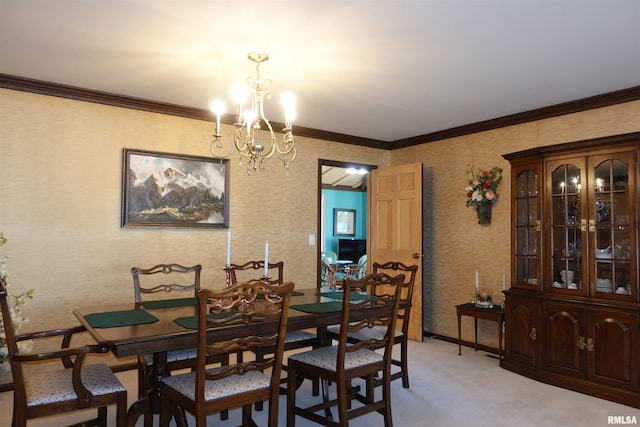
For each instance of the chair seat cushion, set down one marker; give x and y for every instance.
(56, 386)
(216, 389)
(325, 358)
(297, 336)
(376, 332)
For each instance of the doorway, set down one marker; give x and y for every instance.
(344, 190)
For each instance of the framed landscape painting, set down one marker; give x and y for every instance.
(174, 190)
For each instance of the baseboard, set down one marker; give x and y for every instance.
(464, 343)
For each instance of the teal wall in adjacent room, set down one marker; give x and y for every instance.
(344, 200)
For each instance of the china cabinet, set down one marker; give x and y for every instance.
(572, 310)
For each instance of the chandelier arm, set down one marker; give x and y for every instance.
(241, 143)
(289, 143)
(217, 145)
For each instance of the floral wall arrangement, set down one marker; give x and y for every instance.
(482, 191)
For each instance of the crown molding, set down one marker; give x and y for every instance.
(114, 100)
(592, 102)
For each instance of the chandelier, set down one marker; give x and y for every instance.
(249, 122)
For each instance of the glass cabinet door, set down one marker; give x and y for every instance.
(527, 228)
(610, 226)
(566, 272)
(591, 206)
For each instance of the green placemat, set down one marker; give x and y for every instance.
(191, 322)
(319, 307)
(168, 303)
(114, 319)
(339, 295)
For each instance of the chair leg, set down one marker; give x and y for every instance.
(102, 416)
(246, 415)
(403, 363)
(259, 359)
(386, 396)
(325, 398)
(344, 402)
(370, 384)
(224, 415)
(121, 410)
(291, 397)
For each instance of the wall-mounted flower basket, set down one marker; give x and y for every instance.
(484, 213)
(482, 191)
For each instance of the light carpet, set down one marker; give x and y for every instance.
(447, 390)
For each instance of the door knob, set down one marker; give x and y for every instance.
(415, 255)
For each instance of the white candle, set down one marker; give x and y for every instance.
(229, 247)
(504, 281)
(476, 281)
(266, 258)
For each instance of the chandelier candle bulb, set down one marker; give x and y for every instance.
(218, 109)
(476, 281)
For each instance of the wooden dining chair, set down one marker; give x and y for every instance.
(345, 362)
(254, 270)
(404, 311)
(401, 336)
(260, 311)
(69, 386)
(160, 281)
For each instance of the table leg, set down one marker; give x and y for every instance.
(500, 340)
(459, 334)
(149, 404)
(475, 326)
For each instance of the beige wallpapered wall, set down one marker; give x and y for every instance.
(60, 187)
(455, 245)
(61, 167)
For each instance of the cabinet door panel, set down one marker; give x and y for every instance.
(565, 269)
(613, 357)
(526, 223)
(612, 236)
(563, 331)
(521, 333)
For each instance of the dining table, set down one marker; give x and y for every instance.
(156, 327)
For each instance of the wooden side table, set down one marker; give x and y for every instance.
(496, 313)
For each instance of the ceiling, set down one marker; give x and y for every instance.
(380, 69)
(340, 178)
